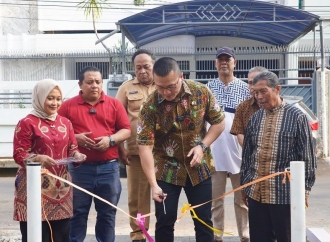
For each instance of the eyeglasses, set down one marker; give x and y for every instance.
(170, 88)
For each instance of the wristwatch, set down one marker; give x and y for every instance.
(204, 146)
(112, 142)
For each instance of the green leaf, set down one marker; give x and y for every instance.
(93, 7)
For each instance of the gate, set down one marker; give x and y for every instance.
(307, 91)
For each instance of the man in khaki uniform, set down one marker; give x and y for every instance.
(132, 94)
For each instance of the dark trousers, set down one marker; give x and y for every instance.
(269, 222)
(60, 231)
(195, 195)
(103, 180)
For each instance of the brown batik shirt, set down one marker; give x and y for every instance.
(272, 140)
(243, 114)
(173, 128)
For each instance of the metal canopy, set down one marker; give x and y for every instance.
(262, 21)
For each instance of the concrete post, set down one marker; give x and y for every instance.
(322, 81)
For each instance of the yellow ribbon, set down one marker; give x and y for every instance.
(187, 207)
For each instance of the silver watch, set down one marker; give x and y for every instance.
(204, 146)
(112, 142)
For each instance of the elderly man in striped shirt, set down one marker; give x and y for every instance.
(277, 134)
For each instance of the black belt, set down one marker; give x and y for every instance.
(98, 163)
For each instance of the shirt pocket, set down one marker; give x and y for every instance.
(286, 138)
(135, 101)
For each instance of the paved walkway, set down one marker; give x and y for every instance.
(317, 215)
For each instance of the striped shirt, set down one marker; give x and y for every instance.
(230, 96)
(272, 140)
(226, 151)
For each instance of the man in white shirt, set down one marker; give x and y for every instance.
(229, 92)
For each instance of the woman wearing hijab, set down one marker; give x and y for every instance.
(45, 137)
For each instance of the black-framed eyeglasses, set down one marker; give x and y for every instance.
(170, 88)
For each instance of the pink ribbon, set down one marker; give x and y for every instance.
(141, 222)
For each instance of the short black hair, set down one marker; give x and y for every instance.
(87, 69)
(165, 65)
(143, 51)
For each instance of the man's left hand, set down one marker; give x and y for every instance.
(197, 151)
(102, 143)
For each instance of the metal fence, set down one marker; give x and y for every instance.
(196, 63)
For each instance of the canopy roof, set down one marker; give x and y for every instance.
(257, 20)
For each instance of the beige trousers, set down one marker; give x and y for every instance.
(138, 191)
(219, 180)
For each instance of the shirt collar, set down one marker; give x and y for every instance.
(81, 100)
(136, 82)
(229, 83)
(186, 90)
(276, 109)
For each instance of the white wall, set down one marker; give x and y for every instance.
(67, 16)
(18, 17)
(58, 15)
(8, 121)
(183, 43)
(226, 41)
(10, 117)
(318, 7)
(56, 42)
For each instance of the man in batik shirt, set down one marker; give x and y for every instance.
(247, 108)
(174, 147)
(276, 134)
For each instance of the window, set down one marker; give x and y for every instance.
(103, 66)
(185, 68)
(206, 69)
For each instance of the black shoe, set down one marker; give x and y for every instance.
(139, 240)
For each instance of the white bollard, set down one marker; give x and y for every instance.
(297, 195)
(33, 171)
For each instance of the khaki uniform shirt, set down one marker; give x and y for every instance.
(174, 128)
(243, 114)
(132, 94)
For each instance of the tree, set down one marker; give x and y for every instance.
(94, 8)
